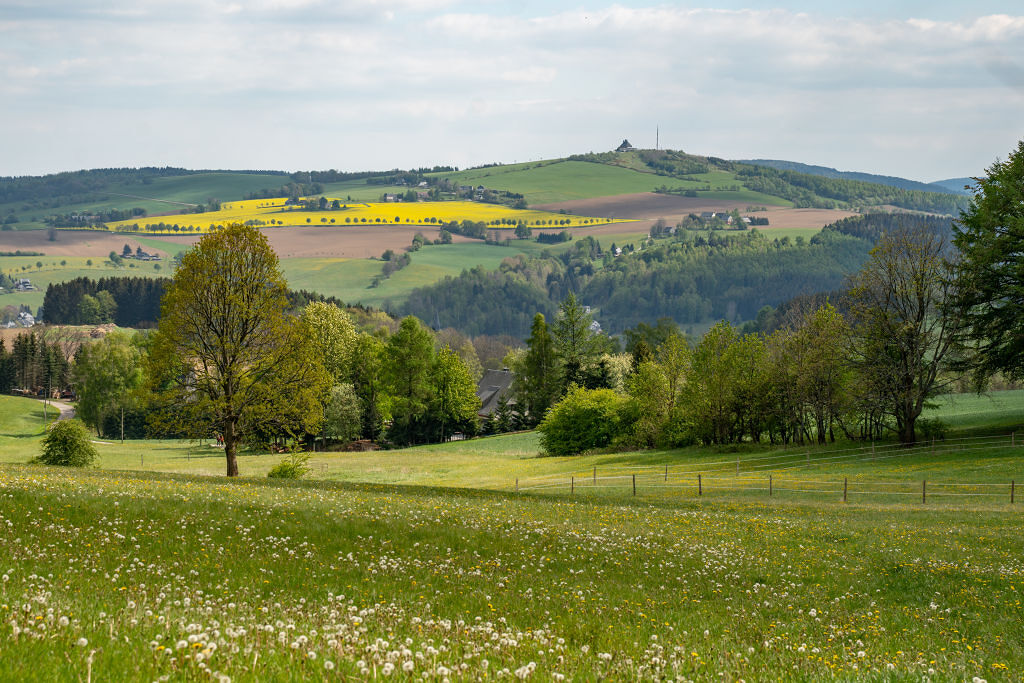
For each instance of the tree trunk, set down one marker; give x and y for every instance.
(230, 448)
(908, 434)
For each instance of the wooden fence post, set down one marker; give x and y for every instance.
(737, 467)
(924, 488)
(700, 488)
(769, 486)
(572, 484)
(1011, 491)
(666, 472)
(872, 450)
(595, 476)
(844, 489)
(634, 484)
(1013, 438)
(517, 484)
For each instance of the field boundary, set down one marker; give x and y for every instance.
(772, 475)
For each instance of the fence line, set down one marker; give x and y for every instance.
(771, 485)
(687, 477)
(828, 457)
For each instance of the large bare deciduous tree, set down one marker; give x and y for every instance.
(904, 332)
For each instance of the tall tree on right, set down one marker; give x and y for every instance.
(990, 236)
(905, 326)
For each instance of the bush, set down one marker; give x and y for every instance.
(67, 444)
(932, 428)
(292, 467)
(584, 419)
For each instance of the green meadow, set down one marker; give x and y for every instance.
(160, 195)
(545, 182)
(128, 571)
(63, 268)
(350, 279)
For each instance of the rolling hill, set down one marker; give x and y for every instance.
(953, 186)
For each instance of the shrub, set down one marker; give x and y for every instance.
(292, 467)
(67, 444)
(584, 419)
(932, 428)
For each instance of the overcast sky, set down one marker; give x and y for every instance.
(924, 90)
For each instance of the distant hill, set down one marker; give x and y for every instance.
(109, 195)
(955, 185)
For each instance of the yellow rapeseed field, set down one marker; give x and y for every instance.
(275, 212)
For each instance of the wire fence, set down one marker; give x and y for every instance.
(778, 475)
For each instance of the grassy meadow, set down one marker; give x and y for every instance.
(131, 572)
(543, 182)
(63, 268)
(161, 195)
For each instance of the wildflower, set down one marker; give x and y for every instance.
(82, 642)
(329, 665)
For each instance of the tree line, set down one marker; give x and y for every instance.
(125, 301)
(692, 278)
(862, 375)
(34, 365)
(231, 357)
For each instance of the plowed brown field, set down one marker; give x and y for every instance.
(651, 206)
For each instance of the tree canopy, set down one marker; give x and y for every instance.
(989, 235)
(226, 353)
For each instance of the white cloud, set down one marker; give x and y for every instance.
(920, 97)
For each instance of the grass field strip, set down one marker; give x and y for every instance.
(712, 477)
(143, 576)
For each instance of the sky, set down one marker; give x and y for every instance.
(923, 90)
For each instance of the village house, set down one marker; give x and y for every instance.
(494, 386)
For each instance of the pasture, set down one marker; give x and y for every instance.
(545, 182)
(142, 575)
(158, 195)
(61, 269)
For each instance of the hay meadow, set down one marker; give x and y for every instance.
(425, 564)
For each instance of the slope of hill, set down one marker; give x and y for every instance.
(957, 185)
(827, 172)
(32, 199)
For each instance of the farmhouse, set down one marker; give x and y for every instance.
(23, 285)
(494, 386)
(624, 147)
